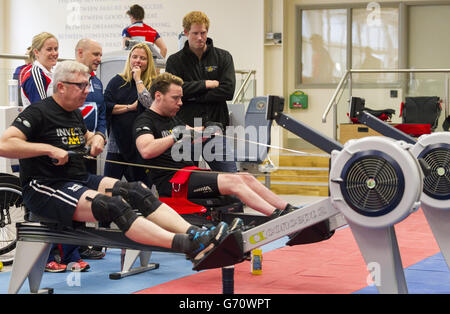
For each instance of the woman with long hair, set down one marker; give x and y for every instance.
(123, 107)
(36, 77)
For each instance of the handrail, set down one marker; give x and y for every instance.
(236, 97)
(351, 71)
(10, 56)
(331, 103)
(244, 84)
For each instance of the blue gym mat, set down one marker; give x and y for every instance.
(96, 279)
(429, 276)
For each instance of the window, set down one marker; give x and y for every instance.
(324, 34)
(375, 43)
(325, 48)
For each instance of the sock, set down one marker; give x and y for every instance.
(181, 243)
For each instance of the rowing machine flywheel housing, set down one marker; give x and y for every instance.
(375, 181)
(435, 150)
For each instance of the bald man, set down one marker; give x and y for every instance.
(89, 53)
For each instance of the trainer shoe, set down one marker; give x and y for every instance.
(236, 224)
(278, 212)
(205, 241)
(78, 266)
(54, 267)
(91, 254)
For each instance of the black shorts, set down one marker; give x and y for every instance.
(57, 199)
(203, 185)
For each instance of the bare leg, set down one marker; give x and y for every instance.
(263, 191)
(146, 232)
(169, 219)
(233, 184)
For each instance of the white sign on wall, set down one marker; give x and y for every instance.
(237, 26)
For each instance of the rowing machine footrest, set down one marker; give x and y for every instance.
(313, 234)
(229, 252)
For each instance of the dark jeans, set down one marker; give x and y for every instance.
(68, 253)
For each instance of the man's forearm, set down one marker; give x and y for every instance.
(19, 149)
(149, 149)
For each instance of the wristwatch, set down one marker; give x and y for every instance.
(102, 135)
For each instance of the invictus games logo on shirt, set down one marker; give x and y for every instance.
(71, 136)
(165, 133)
(211, 68)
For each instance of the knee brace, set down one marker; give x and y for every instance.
(113, 209)
(138, 195)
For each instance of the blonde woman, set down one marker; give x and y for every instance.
(36, 77)
(123, 107)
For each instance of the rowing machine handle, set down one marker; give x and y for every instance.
(73, 153)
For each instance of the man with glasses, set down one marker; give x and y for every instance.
(58, 187)
(89, 53)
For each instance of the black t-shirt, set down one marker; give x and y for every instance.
(150, 122)
(47, 122)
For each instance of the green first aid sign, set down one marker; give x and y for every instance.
(298, 99)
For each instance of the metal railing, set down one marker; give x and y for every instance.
(347, 80)
(9, 56)
(242, 89)
(239, 95)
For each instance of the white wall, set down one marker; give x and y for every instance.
(237, 26)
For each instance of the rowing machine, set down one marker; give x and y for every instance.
(373, 184)
(433, 152)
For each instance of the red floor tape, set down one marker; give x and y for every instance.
(330, 267)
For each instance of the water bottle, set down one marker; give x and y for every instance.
(13, 92)
(256, 262)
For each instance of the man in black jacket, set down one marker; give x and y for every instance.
(209, 81)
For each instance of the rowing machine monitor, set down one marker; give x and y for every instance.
(275, 106)
(356, 106)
